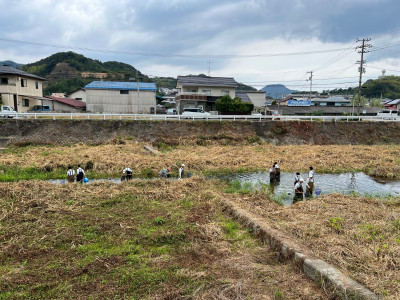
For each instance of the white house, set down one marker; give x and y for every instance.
(20, 89)
(78, 94)
(121, 97)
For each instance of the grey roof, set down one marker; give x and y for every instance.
(207, 81)
(116, 85)
(243, 95)
(393, 102)
(5, 70)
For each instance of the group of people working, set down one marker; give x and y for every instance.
(298, 185)
(80, 174)
(274, 178)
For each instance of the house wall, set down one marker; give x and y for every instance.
(213, 91)
(27, 92)
(258, 99)
(78, 95)
(111, 101)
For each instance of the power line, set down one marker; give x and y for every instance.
(171, 54)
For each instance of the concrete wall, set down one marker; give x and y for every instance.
(111, 101)
(27, 92)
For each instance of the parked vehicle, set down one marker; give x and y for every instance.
(274, 113)
(40, 108)
(195, 112)
(7, 112)
(171, 111)
(387, 113)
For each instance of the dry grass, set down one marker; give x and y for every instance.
(110, 159)
(140, 239)
(360, 236)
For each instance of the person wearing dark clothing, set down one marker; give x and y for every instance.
(80, 174)
(298, 191)
(127, 174)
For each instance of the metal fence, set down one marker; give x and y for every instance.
(164, 117)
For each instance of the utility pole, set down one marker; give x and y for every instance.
(310, 79)
(209, 67)
(138, 92)
(361, 68)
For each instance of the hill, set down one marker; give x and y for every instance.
(10, 63)
(68, 71)
(387, 87)
(276, 91)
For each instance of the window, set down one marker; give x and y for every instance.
(37, 85)
(124, 92)
(24, 82)
(224, 93)
(25, 102)
(207, 92)
(4, 80)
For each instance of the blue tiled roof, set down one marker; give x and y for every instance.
(115, 85)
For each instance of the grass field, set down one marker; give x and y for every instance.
(169, 239)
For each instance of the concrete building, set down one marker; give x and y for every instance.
(78, 94)
(255, 97)
(121, 97)
(196, 91)
(20, 89)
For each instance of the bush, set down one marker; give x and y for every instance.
(226, 104)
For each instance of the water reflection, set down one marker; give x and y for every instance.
(344, 183)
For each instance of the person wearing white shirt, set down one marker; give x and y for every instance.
(296, 178)
(80, 174)
(70, 174)
(309, 186)
(127, 174)
(181, 171)
(298, 191)
(277, 170)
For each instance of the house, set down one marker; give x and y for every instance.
(78, 94)
(331, 101)
(121, 97)
(20, 89)
(64, 105)
(197, 91)
(393, 105)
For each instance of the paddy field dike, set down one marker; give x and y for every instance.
(152, 238)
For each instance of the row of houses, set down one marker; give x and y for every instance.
(23, 91)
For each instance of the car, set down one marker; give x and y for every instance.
(387, 113)
(40, 108)
(195, 112)
(7, 112)
(171, 111)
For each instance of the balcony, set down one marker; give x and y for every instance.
(192, 96)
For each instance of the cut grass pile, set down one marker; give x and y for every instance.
(138, 240)
(111, 159)
(358, 235)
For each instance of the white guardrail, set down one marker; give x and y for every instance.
(150, 117)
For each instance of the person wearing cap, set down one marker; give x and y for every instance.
(311, 172)
(70, 174)
(298, 191)
(181, 171)
(272, 173)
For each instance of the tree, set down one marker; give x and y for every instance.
(227, 105)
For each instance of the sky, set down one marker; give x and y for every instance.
(258, 42)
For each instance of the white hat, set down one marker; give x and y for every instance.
(182, 165)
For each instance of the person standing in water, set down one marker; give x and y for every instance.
(127, 173)
(298, 191)
(70, 174)
(80, 174)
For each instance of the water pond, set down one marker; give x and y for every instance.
(344, 183)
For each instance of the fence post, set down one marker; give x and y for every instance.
(35, 117)
(54, 116)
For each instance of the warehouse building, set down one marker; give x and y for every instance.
(121, 97)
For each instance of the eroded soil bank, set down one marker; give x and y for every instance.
(174, 132)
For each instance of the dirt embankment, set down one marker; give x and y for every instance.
(188, 132)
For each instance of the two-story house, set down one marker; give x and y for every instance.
(20, 89)
(196, 91)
